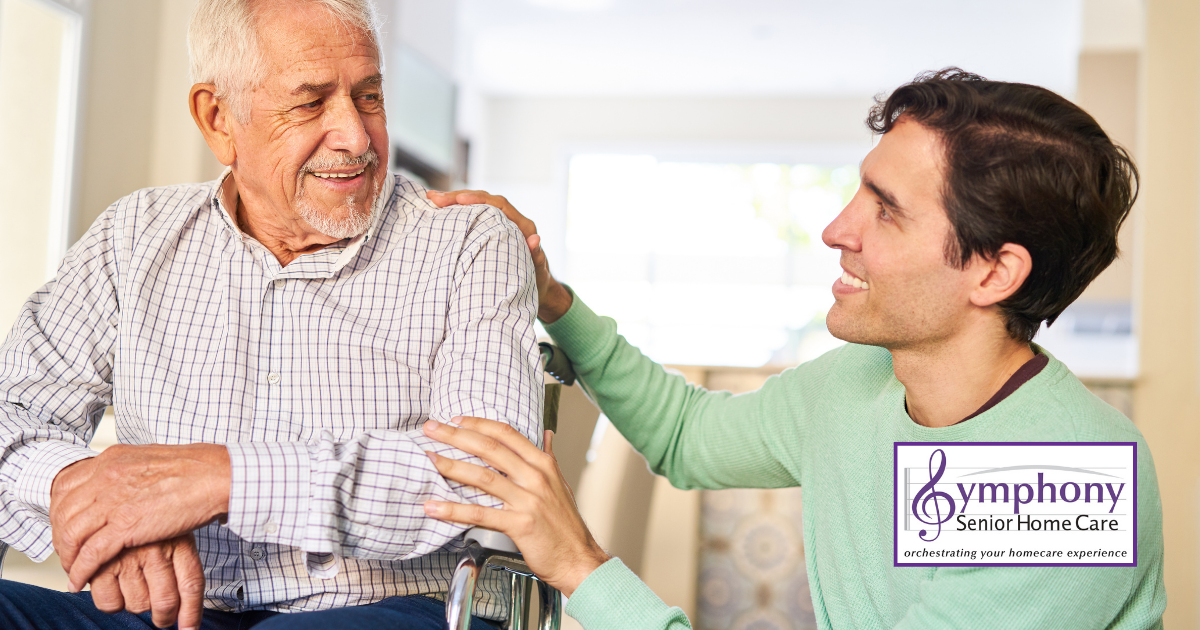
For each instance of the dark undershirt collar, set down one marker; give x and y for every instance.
(1030, 369)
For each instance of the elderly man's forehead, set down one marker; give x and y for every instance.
(292, 28)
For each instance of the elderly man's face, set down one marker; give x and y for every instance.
(314, 153)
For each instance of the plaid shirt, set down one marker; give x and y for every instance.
(317, 376)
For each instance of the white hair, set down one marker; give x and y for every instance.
(224, 47)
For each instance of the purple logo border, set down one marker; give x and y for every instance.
(896, 515)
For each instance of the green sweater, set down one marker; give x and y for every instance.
(829, 425)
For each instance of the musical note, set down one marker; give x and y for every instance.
(934, 495)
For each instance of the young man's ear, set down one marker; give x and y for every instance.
(214, 119)
(1002, 275)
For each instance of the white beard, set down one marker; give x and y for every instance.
(352, 222)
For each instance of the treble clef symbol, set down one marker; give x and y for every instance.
(934, 495)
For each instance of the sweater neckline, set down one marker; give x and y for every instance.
(983, 422)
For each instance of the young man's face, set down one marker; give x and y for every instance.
(892, 236)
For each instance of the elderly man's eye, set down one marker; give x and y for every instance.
(313, 105)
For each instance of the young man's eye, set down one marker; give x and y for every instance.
(883, 213)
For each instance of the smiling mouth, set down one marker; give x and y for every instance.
(338, 175)
(853, 281)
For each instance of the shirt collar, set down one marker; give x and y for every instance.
(225, 198)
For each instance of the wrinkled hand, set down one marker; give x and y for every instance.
(163, 577)
(553, 298)
(539, 512)
(129, 496)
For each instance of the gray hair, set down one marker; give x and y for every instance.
(224, 47)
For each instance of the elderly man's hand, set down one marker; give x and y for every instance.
(553, 298)
(130, 496)
(163, 577)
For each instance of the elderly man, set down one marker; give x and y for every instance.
(271, 343)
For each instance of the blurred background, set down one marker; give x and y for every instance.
(680, 158)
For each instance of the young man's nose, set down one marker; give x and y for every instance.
(844, 231)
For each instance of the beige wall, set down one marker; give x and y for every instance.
(29, 57)
(137, 131)
(1108, 90)
(1167, 287)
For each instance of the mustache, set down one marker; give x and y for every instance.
(324, 163)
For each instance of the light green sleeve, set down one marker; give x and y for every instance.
(696, 438)
(1033, 598)
(612, 597)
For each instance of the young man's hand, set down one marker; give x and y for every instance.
(553, 297)
(539, 512)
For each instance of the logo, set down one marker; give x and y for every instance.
(1015, 504)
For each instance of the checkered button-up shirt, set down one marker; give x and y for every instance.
(317, 376)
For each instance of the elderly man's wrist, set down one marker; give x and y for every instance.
(555, 303)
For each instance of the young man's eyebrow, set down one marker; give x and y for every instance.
(882, 193)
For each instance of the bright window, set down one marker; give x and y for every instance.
(707, 264)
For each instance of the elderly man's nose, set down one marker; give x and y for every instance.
(345, 130)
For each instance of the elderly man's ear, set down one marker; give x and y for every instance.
(213, 118)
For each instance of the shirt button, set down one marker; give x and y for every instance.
(273, 378)
(271, 527)
(257, 553)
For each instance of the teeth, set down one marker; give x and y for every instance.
(851, 281)
(338, 175)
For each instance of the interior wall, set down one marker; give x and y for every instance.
(117, 106)
(178, 153)
(1108, 90)
(427, 26)
(29, 58)
(1167, 393)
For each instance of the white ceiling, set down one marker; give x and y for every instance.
(759, 47)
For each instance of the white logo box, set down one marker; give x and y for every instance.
(1034, 504)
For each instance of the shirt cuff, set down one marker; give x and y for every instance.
(46, 460)
(613, 597)
(269, 492)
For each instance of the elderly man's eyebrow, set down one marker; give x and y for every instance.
(313, 88)
(375, 80)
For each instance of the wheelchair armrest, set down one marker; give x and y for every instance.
(493, 550)
(489, 539)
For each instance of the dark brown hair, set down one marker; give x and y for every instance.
(1024, 166)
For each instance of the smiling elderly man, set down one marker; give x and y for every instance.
(271, 343)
